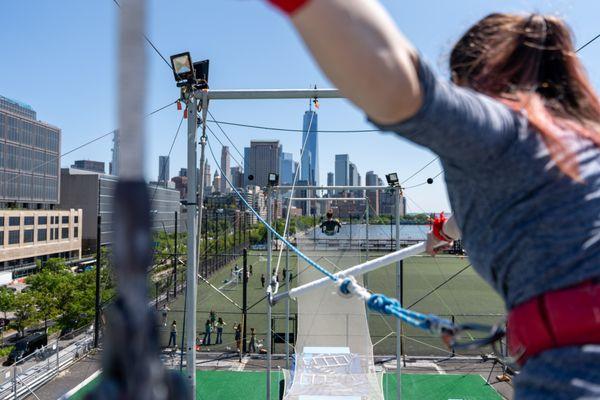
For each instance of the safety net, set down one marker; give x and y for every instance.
(333, 352)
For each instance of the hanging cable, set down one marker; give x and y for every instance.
(270, 128)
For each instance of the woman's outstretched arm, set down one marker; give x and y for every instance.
(361, 50)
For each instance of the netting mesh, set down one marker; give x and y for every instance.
(334, 352)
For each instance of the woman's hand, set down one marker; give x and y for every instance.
(435, 245)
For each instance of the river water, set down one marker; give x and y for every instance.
(358, 231)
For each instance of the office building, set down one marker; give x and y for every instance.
(89, 165)
(286, 174)
(330, 182)
(207, 174)
(342, 169)
(371, 179)
(237, 177)
(115, 154)
(262, 158)
(225, 167)
(31, 228)
(163, 170)
(309, 162)
(94, 194)
(217, 182)
(29, 158)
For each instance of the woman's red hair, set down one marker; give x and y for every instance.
(530, 64)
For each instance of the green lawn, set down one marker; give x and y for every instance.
(228, 385)
(466, 294)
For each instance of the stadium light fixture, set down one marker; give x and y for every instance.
(392, 179)
(273, 179)
(183, 68)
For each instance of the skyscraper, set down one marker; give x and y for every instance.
(163, 170)
(342, 168)
(309, 168)
(207, 174)
(352, 174)
(286, 175)
(115, 154)
(237, 177)
(262, 158)
(330, 182)
(371, 179)
(89, 165)
(217, 182)
(225, 167)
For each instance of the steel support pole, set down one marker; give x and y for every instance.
(175, 258)
(398, 194)
(244, 299)
(98, 267)
(269, 288)
(366, 276)
(287, 308)
(192, 211)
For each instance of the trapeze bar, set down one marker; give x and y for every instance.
(266, 94)
(319, 188)
(354, 271)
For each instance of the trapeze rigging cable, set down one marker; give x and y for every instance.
(270, 128)
(288, 213)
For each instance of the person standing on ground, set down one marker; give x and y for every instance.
(517, 131)
(252, 345)
(262, 280)
(238, 339)
(220, 324)
(207, 331)
(250, 269)
(213, 317)
(164, 313)
(173, 335)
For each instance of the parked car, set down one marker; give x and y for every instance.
(26, 346)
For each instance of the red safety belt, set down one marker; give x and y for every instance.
(564, 317)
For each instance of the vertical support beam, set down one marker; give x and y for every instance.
(98, 267)
(366, 276)
(192, 211)
(268, 274)
(399, 268)
(244, 299)
(175, 258)
(287, 308)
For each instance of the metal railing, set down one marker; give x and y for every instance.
(26, 375)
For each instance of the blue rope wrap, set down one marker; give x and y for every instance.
(344, 286)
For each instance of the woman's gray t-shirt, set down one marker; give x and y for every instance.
(526, 226)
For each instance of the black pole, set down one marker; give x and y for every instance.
(402, 304)
(217, 234)
(350, 229)
(391, 233)
(98, 266)
(315, 228)
(206, 244)
(244, 299)
(175, 260)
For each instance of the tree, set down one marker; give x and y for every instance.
(25, 312)
(45, 288)
(7, 302)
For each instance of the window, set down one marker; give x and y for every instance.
(1, 221)
(14, 221)
(42, 235)
(42, 220)
(51, 234)
(28, 220)
(1, 238)
(77, 219)
(76, 232)
(55, 233)
(65, 219)
(64, 234)
(28, 235)
(13, 237)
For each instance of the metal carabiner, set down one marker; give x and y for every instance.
(454, 338)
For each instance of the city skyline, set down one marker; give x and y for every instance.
(62, 101)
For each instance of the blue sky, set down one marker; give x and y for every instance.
(59, 56)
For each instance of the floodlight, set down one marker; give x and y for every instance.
(201, 73)
(392, 179)
(183, 68)
(273, 179)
